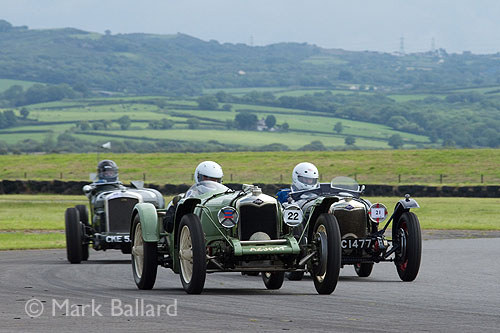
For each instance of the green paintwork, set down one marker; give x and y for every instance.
(149, 222)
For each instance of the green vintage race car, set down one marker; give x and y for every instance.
(216, 229)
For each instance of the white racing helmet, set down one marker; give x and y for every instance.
(208, 170)
(305, 177)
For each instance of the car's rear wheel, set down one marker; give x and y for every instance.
(407, 236)
(84, 218)
(363, 269)
(144, 257)
(273, 280)
(192, 254)
(325, 268)
(73, 236)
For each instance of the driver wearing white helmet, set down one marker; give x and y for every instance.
(305, 176)
(205, 172)
(208, 170)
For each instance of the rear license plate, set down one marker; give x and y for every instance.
(356, 243)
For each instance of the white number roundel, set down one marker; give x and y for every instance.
(377, 212)
(292, 216)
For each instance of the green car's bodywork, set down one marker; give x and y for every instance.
(236, 231)
(218, 238)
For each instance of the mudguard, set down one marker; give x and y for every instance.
(321, 205)
(402, 206)
(408, 203)
(149, 221)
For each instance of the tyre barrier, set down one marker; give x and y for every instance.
(75, 188)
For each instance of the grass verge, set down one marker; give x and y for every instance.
(30, 240)
(453, 213)
(37, 221)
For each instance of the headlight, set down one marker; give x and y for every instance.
(228, 217)
(292, 216)
(377, 212)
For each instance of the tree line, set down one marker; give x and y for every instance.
(183, 65)
(37, 93)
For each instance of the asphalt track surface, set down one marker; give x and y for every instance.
(458, 289)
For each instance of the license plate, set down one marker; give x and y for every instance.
(356, 243)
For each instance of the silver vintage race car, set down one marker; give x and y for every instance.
(111, 206)
(363, 240)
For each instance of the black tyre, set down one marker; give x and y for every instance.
(73, 236)
(363, 269)
(325, 268)
(407, 235)
(84, 218)
(84, 214)
(144, 257)
(273, 280)
(192, 254)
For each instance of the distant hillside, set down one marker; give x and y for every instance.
(184, 65)
(321, 98)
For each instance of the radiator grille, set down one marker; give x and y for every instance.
(352, 221)
(120, 213)
(258, 218)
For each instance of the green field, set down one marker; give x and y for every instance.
(413, 97)
(420, 167)
(6, 84)
(305, 126)
(249, 138)
(31, 240)
(481, 90)
(36, 212)
(325, 60)
(37, 221)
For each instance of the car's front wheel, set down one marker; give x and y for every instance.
(192, 254)
(273, 280)
(407, 236)
(144, 257)
(84, 218)
(73, 236)
(325, 268)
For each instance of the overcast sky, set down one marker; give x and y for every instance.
(455, 25)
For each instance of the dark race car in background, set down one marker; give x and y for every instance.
(363, 241)
(111, 206)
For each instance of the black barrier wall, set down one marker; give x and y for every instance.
(75, 188)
